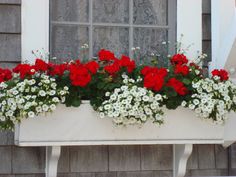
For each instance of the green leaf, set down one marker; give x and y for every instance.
(186, 81)
(100, 85)
(171, 104)
(76, 102)
(170, 92)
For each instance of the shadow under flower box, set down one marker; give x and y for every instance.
(82, 126)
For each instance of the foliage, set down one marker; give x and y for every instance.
(181, 83)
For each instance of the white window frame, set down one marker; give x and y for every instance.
(35, 26)
(223, 25)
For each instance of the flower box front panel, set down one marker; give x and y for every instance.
(82, 126)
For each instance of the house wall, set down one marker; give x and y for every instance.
(10, 29)
(100, 161)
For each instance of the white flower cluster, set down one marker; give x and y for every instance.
(29, 98)
(130, 104)
(213, 99)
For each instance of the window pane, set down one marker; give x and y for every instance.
(111, 11)
(150, 42)
(70, 10)
(150, 12)
(67, 41)
(115, 39)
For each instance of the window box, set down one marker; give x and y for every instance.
(82, 126)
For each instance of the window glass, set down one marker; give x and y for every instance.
(118, 25)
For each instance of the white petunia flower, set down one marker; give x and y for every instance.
(53, 107)
(31, 114)
(42, 93)
(56, 100)
(45, 107)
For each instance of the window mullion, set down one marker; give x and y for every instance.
(171, 14)
(90, 28)
(131, 28)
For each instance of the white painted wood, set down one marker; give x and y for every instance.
(189, 24)
(230, 133)
(35, 28)
(52, 157)
(181, 153)
(223, 18)
(82, 126)
(215, 32)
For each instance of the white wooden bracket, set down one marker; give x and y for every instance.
(181, 153)
(52, 157)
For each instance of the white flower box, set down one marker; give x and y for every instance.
(83, 126)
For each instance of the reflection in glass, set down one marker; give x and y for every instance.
(151, 42)
(66, 42)
(111, 11)
(115, 39)
(150, 12)
(70, 10)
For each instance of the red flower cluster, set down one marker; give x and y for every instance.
(41, 65)
(179, 59)
(154, 78)
(177, 86)
(106, 55)
(127, 63)
(181, 69)
(5, 75)
(92, 66)
(113, 68)
(118, 64)
(57, 69)
(79, 75)
(24, 70)
(223, 74)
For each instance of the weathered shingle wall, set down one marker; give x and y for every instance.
(100, 161)
(10, 29)
(109, 161)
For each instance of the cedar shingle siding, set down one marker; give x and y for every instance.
(10, 30)
(101, 161)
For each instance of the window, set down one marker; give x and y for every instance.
(117, 25)
(36, 26)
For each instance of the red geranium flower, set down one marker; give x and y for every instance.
(5, 75)
(77, 62)
(92, 66)
(223, 74)
(24, 70)
(181, 69)
(154, 78)
(127, 63)
(106, 55)
(112, 68)
(41, 65)
(79, 76)
(59, 70)
(147, 69)
(153, 82)
(179, 59)
(178, 86)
